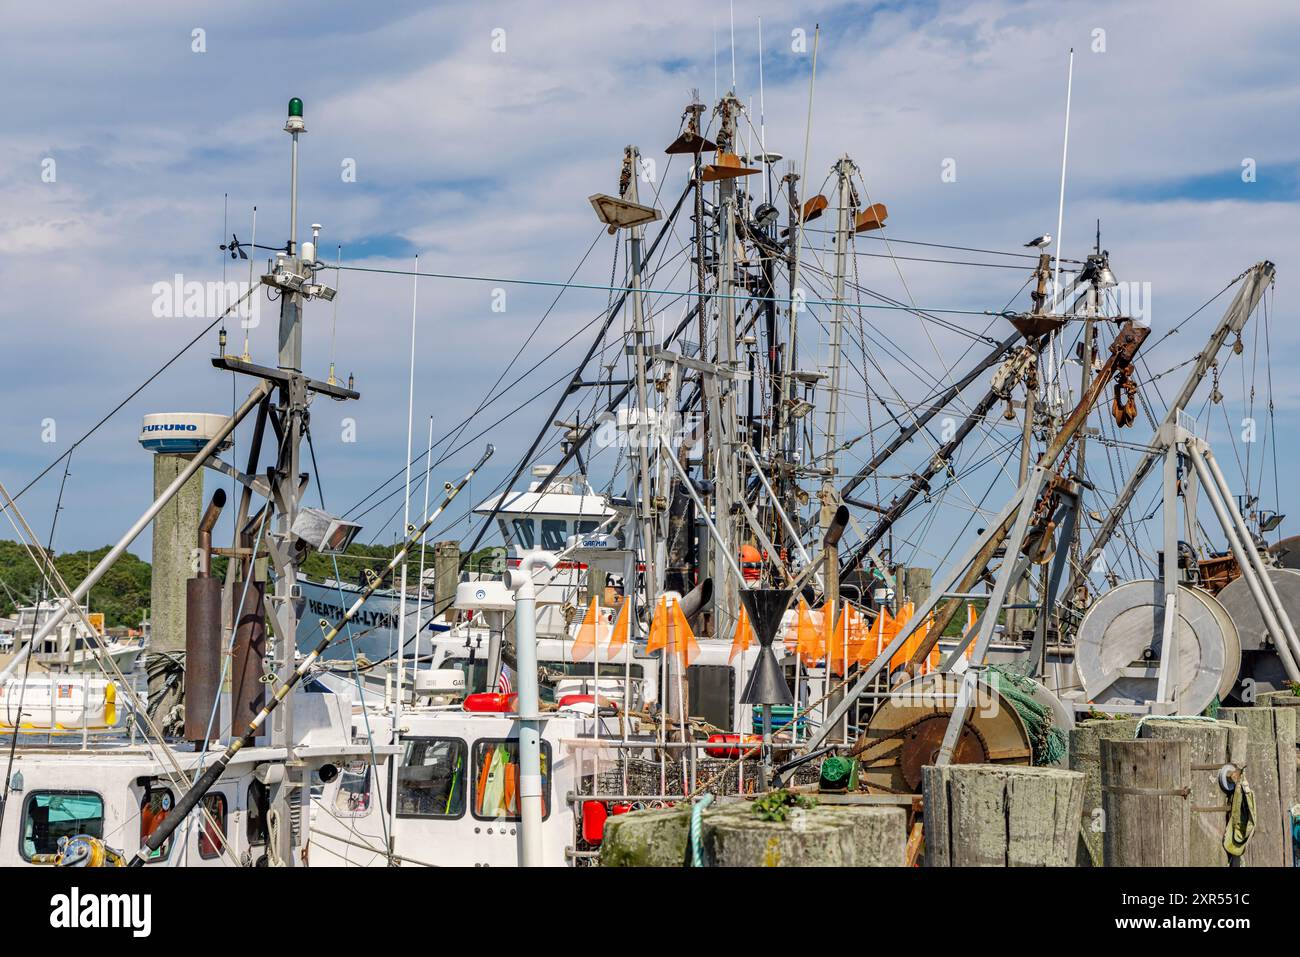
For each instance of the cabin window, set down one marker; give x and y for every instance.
(496, 779)
(711, 693)
(212, 835)
(525, 536)
(154, 808)
(51, 815)
(353, 796)
(555, 534)
(560, 670)
(431, 782)
(583, 669)
(475, 671)
(587, 527)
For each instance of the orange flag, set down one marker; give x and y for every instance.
(619, 637)
(588, 634)
(658, 628)
(836, 636)
(809, 642)
(971, 618)
(861, 643)
(901, 623)
(884, 630)
(683, 639)
(744, 635)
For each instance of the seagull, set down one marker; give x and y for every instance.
(1041, 242)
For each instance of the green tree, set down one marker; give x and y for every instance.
(122, 594)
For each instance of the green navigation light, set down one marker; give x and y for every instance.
(295, 107)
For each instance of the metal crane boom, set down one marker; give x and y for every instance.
(1253, 283)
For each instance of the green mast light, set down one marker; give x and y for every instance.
(295, 107)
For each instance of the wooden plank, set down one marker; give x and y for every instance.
(914, 844)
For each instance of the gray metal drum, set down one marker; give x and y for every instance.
(1240, 604)
(1231, 641)
(1287, 552)
(1117, 652)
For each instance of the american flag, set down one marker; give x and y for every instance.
(503, 680)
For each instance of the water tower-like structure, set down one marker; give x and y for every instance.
(174, 438)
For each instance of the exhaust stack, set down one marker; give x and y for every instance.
(203, 635)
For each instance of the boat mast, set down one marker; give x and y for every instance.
(645, 430)
(829, 495)
(726, 481)
(286, 490)
(695, 111)
(1101, 279)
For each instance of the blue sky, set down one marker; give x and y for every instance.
(481, 162)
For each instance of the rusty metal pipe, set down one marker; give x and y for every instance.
(206, 524)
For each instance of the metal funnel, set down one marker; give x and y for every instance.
(766, 684)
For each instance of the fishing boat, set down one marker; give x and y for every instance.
(72, 646)
(705, 593)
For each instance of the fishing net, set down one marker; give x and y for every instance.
(1047, 740)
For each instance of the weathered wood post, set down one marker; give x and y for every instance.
(1285, 699)
(446, 575)
(733, 836)
(1085, 757)
(824, 836)
(1271, 772)
(1213, 744)
(1146, 799)
(986, 815)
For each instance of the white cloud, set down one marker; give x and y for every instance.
(483, 162)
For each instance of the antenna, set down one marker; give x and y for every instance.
(762, 115)
(1060, 228)
(731, 8)
(406, 496)
(334, 320)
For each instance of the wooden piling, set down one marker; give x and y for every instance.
(1213, 744)
(987, 815)
(1285, 699)
(1085, 757)
(1146, 802)
(733, 836)
(1271, 772)
(446, 575)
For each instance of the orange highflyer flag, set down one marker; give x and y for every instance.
(836, 635)
(658, 628)
(809, 643)
(588, 634)
(902, 621)
(861, 643)
(683, 639)
(884, 630)
(744, 635)
(971, 618)
(619, 636)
